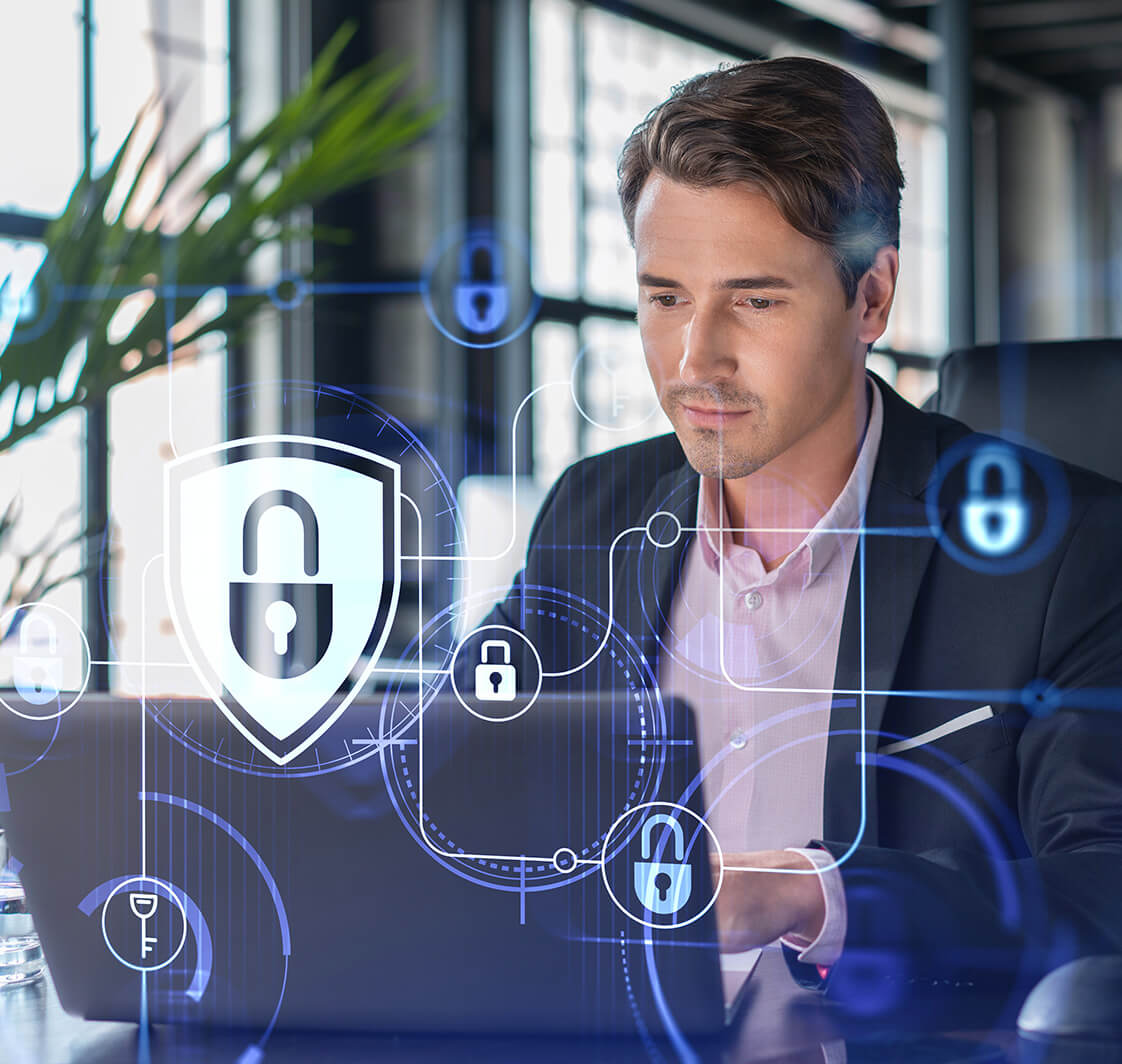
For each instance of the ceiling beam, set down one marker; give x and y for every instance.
(1044, 13)
(868, 22)
(1054, 38)
(1106, 58)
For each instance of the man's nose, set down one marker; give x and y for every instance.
(707, 349)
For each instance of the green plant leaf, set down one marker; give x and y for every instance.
(332, 134)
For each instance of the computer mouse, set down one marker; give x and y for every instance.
(1077, 1005)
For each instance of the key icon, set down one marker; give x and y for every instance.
(143, 906)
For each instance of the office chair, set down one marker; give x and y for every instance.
(1063, 396)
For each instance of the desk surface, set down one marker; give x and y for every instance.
(782, 1022)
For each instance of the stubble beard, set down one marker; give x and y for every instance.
(722, 453)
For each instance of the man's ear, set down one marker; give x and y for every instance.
(875, 292)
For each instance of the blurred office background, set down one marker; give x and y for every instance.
(1009, 118)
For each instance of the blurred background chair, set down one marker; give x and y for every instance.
(1062, 396)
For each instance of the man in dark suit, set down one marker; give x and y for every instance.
(965, 792)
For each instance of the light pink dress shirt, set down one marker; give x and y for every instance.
(740, 643)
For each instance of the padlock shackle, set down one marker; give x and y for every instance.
(251, 528)
(25, 635)
(502, 644)
(675, 827)
(481, 239)
(993, 456)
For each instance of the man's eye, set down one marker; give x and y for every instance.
(665, 299)
(756, 301)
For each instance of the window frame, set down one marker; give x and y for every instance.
(94, 458)
(901, 100)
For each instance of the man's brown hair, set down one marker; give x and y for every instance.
(807, 134)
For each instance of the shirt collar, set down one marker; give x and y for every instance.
(822, 542)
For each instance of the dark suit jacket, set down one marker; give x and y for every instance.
(992, 852)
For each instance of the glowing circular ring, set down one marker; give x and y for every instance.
(461, 233)
(163, 887)
(85, 678)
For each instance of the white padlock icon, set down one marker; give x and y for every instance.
(38, 677)
(994, 524)
(495, 681)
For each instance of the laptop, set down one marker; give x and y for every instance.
(410, 872)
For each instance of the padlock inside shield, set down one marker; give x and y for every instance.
(258, 644)
(274, 623)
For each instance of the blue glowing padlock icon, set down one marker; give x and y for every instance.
(482, 298)
(37, 675)
(663, 887)
(994, 524)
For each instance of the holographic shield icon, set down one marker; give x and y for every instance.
(282, 563)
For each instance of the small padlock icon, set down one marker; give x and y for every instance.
(482, 298)
(495, 681)
(37, 676)
(661, 886)
(994, 523)
(274, 605)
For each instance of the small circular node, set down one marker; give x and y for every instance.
(1041, 698)
(565, 860)
(296, 287)
(663, 529)
(138, 925)
(42, 642)
(495, 687)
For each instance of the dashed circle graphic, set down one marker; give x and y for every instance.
(511, 873)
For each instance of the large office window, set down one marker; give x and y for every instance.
(41, 85)
(90, 67)
(179, 51)
(41, 79)
(594, 76)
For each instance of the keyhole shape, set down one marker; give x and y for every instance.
(482, 303)
(496, 678)
(662, 885)
(280, 619)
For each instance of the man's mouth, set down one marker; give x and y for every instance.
(713, 417)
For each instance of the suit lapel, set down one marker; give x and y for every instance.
(893, 567)
(888, 571)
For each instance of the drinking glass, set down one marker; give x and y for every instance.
(21, 956)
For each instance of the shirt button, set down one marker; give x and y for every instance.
(739, 739)
(753, 600)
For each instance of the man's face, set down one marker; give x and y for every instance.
(744, 324)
